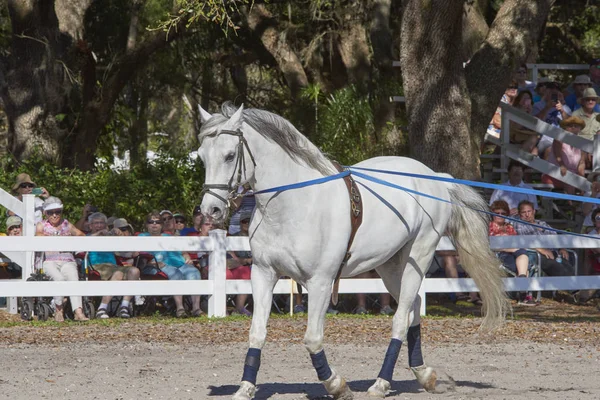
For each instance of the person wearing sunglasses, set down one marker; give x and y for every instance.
(521, 78)
(176, 264)
(516, 260)
(24, 185)
(168, 222)
(60, 266)
(179, 223)
(14, 226)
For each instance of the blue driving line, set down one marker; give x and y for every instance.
(355, 171)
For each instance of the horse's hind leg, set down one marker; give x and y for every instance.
(263, 282)
(319, 294)
(425, 375)
(403, 284)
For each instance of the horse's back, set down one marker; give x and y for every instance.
(393, 217)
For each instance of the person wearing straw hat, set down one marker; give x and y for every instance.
(24, 185)
(588, 102)
(580, 84)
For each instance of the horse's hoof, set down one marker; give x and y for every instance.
(245, 392)
(426, 377)
(379, 388)
(337, 387)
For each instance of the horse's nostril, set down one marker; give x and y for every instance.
(216, 211)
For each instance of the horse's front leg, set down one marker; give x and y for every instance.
(319, 294)
(263, 282)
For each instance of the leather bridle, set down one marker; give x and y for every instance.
(240, 169)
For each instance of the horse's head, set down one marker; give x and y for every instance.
(227, 160)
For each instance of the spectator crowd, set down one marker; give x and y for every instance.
(573, 108)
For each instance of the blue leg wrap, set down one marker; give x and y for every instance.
(319, 361)
(251, 366)
(415, 358)
(391, 356)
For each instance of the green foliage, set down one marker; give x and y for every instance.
(168, 182)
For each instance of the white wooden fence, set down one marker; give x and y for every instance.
(217, 287)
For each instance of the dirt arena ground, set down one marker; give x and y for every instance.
(544, 352)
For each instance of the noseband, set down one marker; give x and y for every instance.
(236, 178)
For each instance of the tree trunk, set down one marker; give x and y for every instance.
(437, 99)
(511, 38)
(39, 74)
(265, 26)
(352, 43)
(449, 106)
(381, 41)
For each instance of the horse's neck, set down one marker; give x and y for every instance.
(274, 167)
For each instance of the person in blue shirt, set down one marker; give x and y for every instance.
(177, 265)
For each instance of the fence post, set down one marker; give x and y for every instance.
(534, 73)
(28, 230)
(217, 267)
(423, 295)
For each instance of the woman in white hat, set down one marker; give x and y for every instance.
(60, 266)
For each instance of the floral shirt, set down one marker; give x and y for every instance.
(62, 230)
(501, 230)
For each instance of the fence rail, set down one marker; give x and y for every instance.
(217, 287)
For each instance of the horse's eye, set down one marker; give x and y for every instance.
(229, 157)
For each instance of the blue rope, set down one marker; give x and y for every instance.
(299, 185)
(483, 185)
(516, 220)
(353, 171)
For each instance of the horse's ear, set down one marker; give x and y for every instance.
(204, 115)
(235, 122)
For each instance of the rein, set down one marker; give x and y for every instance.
(240, 168)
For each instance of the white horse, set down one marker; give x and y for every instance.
(304, 234)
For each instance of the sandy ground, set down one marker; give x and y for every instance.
(507, 370)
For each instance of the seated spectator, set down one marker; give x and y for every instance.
(521, 77)
(125, 258)
(385, 299)
(110, 222)
(168, 222)
(594, 74)
(540, 89)
(245, 202)
(196, 227)
(525, 137)
(550, 109)
(516, 260)
(588, 208)
(207, 224)
(450, 266)
(60, 266)
(179, 223)
(554, 262)
(14, 226)
(106, 264)
(580, 84)
(508, 97)
(565, 156)
(592, 267)
(24, 185)
(239, 264)
(177, 265)
(587, 113)
(83, 224)
(515, 178)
